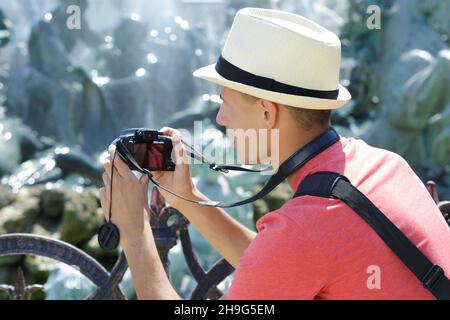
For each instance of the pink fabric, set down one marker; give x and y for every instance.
(316, 248)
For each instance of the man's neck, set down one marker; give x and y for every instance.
(289, 146)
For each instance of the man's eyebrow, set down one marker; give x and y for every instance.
(221, 98)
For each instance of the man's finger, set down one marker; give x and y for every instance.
(167, 131)
(104, 202)
(107, 166)
(144, 180)
(107, 192)
(121, 167)
(101, 192)
(107, 188)
(179, 150)
(157, 174)
(107, 182)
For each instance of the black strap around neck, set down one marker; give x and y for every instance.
(288, 167)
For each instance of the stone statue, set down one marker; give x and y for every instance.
(400, 80)
(60, 90)
(5, 29)
(413, 81)
(173, 86)
(125, 63)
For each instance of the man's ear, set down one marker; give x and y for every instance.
(270, 113)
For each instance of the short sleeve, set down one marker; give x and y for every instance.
(282, 263)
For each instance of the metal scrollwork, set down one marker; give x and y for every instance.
(168, 226)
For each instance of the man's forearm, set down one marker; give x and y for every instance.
(147, 271)
(229, 237)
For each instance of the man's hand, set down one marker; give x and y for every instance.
(130, 212)
(129, 196)
(178, 181)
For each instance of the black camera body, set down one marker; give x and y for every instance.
(145, 149)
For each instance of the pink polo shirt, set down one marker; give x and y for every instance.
(316, 248)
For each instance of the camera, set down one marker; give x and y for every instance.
(145, 150)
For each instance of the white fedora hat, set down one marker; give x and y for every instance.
(281, 57)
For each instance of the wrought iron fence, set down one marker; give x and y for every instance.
(168, 226)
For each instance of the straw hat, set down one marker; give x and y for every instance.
(281, 57)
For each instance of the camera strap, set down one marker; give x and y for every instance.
(108, 233)
(217, 167)
(293, 163)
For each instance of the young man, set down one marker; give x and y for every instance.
(280, 71)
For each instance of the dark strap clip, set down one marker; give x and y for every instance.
(432, 277)
(217, 168)
(320, 184)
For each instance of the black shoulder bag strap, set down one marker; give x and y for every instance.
(335, 186)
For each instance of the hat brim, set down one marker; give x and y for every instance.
(209, 73)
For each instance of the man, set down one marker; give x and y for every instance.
(311, 248)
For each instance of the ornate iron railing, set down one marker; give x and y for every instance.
(168, 226)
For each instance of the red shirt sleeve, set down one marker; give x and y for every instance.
(282, 262)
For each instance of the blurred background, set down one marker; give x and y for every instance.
(65, 94)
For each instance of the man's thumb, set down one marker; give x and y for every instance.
(144, 180)
(179, 150)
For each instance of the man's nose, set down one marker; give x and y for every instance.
(220, 119)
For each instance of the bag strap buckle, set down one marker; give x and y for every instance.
(432, 277)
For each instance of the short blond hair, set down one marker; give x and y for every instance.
(306, 118)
